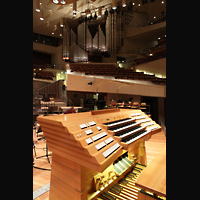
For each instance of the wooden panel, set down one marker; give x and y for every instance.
(153, 178)
(76, 161)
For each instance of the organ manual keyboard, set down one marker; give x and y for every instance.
(97, 154)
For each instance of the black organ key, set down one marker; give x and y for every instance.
(132, 137)
(106, 197)
(110, 195)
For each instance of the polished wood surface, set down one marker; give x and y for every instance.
(153, 177)
(41, 177)
(75, 163)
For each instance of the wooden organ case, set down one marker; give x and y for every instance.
(97, 154)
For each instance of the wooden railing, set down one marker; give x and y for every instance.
(51, 90)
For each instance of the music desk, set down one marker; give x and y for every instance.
(153, 178)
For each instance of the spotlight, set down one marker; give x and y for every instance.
(123, 3)
(114, 4)
(99, 12)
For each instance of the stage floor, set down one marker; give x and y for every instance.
(41, 167)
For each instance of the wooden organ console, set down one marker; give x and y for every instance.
(97, 154)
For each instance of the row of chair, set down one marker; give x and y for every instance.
(117, 72)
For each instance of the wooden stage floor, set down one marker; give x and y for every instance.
(41, 167)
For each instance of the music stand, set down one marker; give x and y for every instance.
(46, 151)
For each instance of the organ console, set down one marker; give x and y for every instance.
(97, 154)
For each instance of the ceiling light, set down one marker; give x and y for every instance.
(63, 2)
(41, 15)
(56, 1)
(154, 17)
(114, 4)
(123, 3)
(38, 4)
(99, 12)
(52, 33)
(151, 54)
(61, 22)
(133, 4)
(74, 6)
(162, 2)
(139, 4)
(159, 38)
(61, 35)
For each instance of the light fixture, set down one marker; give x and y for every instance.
(63, 2)
(61, 22)
(123, 3)
(154, 17)
(114, 4)
(162, 2)
(99, 12)
(38, 4)
(56, 1)
(74, 8)
(159, 38)
(151, 54)
(41, 15)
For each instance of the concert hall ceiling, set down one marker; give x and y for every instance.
(52, 13)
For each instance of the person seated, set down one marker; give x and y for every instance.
(70, 110)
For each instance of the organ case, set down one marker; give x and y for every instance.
(93, 151)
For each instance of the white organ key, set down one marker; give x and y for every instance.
(111, 150)
(109, 140)
(89, 141)
(121, 122)
(131, 125)
(100, 145)
(139, 136)
(149, 124)
(92, 123)
(151, 128)
(131, 132)
(135, 114)
(144, 120)
(89, 131)
(83, 126)
(98, 136)
(140, 117)
(99, 128)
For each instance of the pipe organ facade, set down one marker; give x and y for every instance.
(111, 42)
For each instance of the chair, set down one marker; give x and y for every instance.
(143, 107)
(135, 105)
